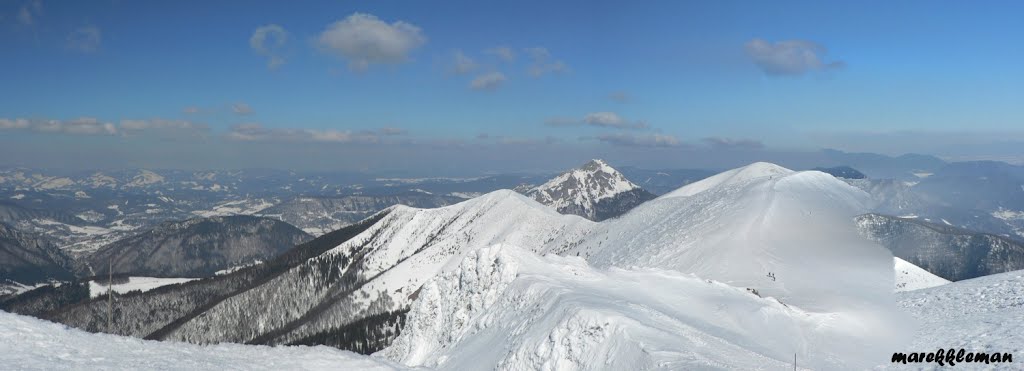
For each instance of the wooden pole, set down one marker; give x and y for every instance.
(110, 295)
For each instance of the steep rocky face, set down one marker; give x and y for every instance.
(29, 258)
(197, 247)
(948, 252)
(594, 191)
(319, 215)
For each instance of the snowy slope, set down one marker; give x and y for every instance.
(508, 308)
(27, 343)
(380, 268)
(738, 229)
(134, 283)
(734, 176)
(911, 277)
(590, 191)
(984, 314)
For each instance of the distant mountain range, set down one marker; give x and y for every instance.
(320, 215)
(197, 247)
(946, 251)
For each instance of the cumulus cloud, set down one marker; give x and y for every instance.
(363, 39)
(629, 140)
(732, 144)
(504, 53)
(252, 132)
(462, 64)
(789, 57)
(85, 39)
(488, 81)
(28, 12)
(269, 41)
(241, 109)
(599, 119)
(541, 62)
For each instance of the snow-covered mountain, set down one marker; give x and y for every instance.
(378, 271)
(595, 191)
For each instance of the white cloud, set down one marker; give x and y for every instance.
(789, 57)
(502, 52)
(363, 39)
(733, 144)
(252, 132)
(462, 64)
(599, 119)
(191, 110)
(79, 126)
(10, 124)
(269, 41)
(542, 63)
(241, 109)
(488, 81)
(85, 39)
(628, 140)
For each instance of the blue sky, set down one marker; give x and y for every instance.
(414, 83)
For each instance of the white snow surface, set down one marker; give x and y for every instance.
(984, 314)
(134, 283)
(911, 277)
(508, 308)
(28, 343)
